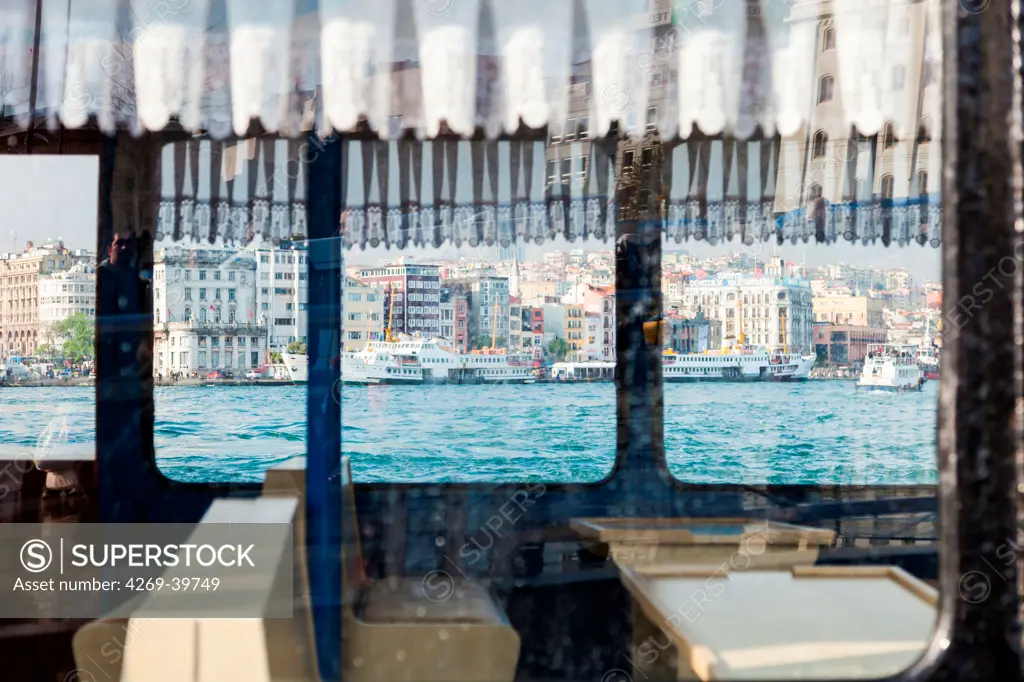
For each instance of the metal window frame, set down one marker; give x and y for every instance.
(980, 453)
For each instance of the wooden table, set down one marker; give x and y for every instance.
(739, 544)
(804, 623)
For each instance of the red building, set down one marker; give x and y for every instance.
(461, 305)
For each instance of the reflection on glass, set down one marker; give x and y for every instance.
(47, 319)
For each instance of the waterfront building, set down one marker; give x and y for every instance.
(447, 311)
(282, 292)
(363, 315)
(592, 332)
(460, 300)
(768, 309)
(860, 311)
(574, 331)
(204, 311)
(515, 323)
(845, 344)
(691, 334)
(488, 310)
(19, 292)
(533, 330)
(63, 294)
(415, 295)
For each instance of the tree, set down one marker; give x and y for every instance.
(296, 347)
(276, 359)
(482, 341)
(558, 349)
(47, 351)
(78, 332)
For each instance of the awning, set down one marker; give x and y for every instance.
(674, 66)
(804, 120)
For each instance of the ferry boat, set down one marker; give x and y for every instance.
(891, 368)
(734, 364)
(415, 359)
(928, 357)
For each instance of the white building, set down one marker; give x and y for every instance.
(204, 311)
(757, 307)
(63, 294)
(282, 292)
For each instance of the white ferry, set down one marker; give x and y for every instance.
(891, 368)
(414, 359)
(735, 364)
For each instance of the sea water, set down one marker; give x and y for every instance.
(817, 432)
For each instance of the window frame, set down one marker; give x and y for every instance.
(975, 448)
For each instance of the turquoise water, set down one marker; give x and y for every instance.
(809, 433)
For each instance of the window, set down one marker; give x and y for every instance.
(826, 89)
(922, 182)
(555, 132)
(647, 156)
(924, 131)
(828, 39)
(552, 173)
(889, 135)
(899, 77)
(887, 185)
(202, 275)
(652, 119)
(627, 159)
(216, 274)
(570, 130)
(820, 143)
(567, 171)
(583, 128)
(202, 294)
(231, 275)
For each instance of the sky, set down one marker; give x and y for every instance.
(56, 197)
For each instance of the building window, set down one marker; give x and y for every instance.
(583, 128)
(889, 135)
(231, 316)
(216, 274)
(202, 315)
(899, 77)
(555, 132)
(888, 184)
(922, 182)
(652, 119)
(924, 131)
(826, 89)
(188, 314)
(202, 294)
(570, 130)
(552, 173)
(647, 156)
(820, 143)
(828, 39)
(627, 159)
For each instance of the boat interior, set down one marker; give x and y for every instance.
(639, 576)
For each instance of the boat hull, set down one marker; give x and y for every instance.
(890, 389)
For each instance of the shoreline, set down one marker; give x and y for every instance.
(193, 383)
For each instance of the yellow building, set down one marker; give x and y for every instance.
(537, 291)
(575, 331)
(859, 311)
(363, 314)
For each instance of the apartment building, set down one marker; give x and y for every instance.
(415, 294)
(205, 316)
(362, 315)
(63, 294)
(282, 292)
(859, 311)
(20, 292)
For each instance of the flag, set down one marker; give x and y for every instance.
(250, 312)
(211, 306)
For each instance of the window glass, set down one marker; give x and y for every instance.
(48, 270)
(456, 356)
(226, 407)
